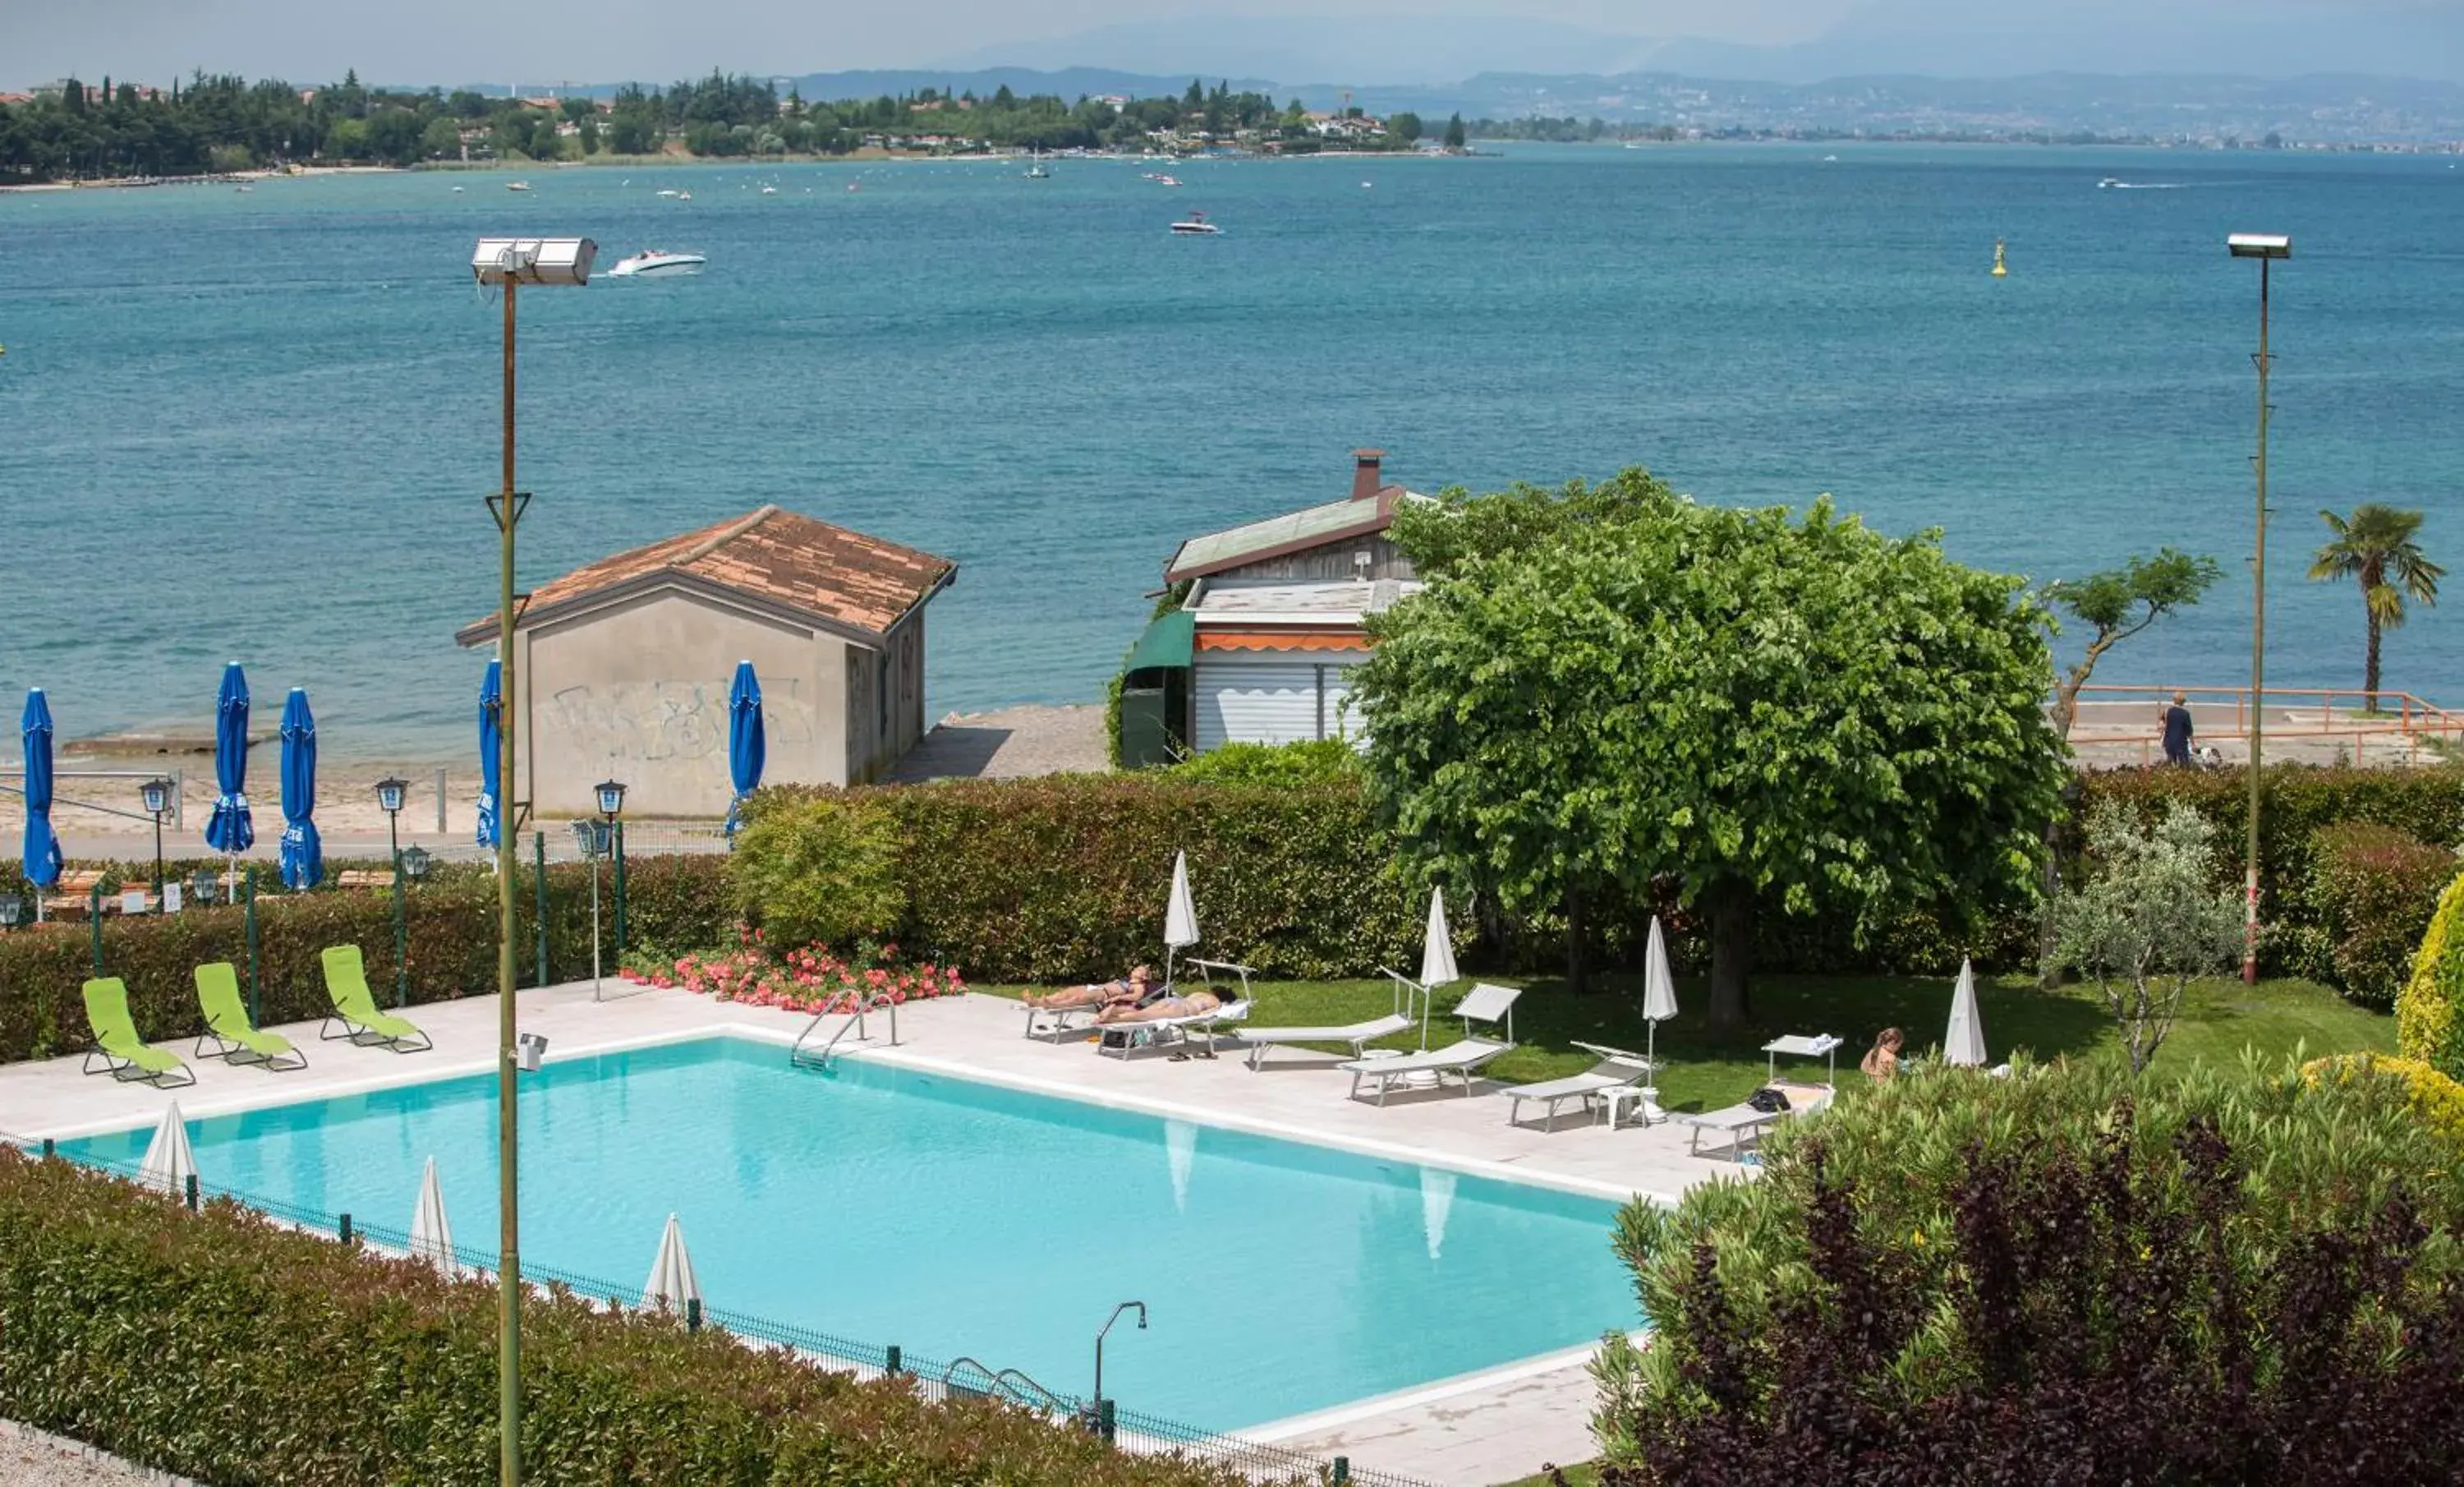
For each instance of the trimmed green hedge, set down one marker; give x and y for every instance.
(671, 900)
(1063, 878)
(224, 1347)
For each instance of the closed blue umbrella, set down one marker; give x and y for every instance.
(747, 747)
(42, 845)
(492, 695)
(230, 831)
(303, 855)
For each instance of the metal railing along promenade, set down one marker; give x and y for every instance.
(934, 1378)
(2118, 723)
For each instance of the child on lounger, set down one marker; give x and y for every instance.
(1162, 1011)
(1109, 993)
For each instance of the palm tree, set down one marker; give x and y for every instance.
(2375, 545)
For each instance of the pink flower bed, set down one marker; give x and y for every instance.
(805, 980)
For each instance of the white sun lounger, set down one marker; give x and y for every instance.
(1360, 1035)
(1484, 1003)
(1160, 1031)
(1616, 1070)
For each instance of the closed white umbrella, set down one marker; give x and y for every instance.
(1965, 1043)
(1658, 1005)
(169, 1162)
(431, 1238)
(1436, 958)
(672, 1286)
(1179, 916)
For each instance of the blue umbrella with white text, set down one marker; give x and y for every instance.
(42, 845)
(229, 832)
(303, 855)
(747, 746)
(492, 697)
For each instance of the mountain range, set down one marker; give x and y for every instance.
(2262, 39)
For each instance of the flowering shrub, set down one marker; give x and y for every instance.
(809, 979)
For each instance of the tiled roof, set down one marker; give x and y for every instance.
(781, 556)
(1294, 531)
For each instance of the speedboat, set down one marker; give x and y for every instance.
(1165, 180)
(684, 195)
(517, 185)
(2107, 184)
(769, 190)
(657, 263)
(669, 191)
(1195, 225)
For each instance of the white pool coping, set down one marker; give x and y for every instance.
(1529, 1410)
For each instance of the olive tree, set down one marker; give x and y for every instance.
(2150, 921)
(1753, 710)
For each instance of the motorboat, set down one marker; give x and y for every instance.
(657, 263)
(769, 190)
(1167, 180)
(667, 192)
(684, 195)
(1195, 225)
(517, 185)
(2107, 184)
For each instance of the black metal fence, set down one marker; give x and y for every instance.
(934, 1378)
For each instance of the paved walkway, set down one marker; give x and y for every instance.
(1486, 1428)
(1008, 744)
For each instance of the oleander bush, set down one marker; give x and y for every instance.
(2373, 890)
(2069, 1276)
(222, 1347)
(2428, 1026)
(451, 934)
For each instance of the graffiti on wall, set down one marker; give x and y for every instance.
(672, 721)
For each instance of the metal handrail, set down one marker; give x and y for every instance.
(1022, 1389)
(795, 1055)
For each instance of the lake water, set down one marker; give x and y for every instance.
(260, 425)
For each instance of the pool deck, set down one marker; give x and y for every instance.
(1489, 1428)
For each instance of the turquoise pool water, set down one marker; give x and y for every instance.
(952, 1217)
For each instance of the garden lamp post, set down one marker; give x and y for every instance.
(12, 910)
(506, 264)
(592, 837)
(389, 796)
(611, 804)
(410, 867)
(2267, 249)
(156, 794)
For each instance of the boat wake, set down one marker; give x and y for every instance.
(2108, 184)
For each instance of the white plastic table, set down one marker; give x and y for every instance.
(1804, 1046)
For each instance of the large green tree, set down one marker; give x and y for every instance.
(2375, 547)
(1754, 710)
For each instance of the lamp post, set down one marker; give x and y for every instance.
(507, 263)
(2267, 249)
(389, 796)
(156, 794)
(611, 804)
(12, 910)
(409, 866)
(592, 837)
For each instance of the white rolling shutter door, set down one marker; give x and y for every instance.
(1286, 699)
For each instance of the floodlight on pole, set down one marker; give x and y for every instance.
(506, 264)
(2267, 248)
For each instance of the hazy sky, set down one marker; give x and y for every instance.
(450, 41)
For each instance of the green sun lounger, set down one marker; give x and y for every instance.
(124, 1053)
(346, 982)
(235, 1038)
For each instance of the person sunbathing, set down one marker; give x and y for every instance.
(1129, 992)
(1162, 1009)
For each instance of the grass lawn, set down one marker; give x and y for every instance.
(1575, 1476)
(2219, 1020)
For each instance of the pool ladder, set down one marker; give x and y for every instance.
(1007, 1384)
(803, 1057)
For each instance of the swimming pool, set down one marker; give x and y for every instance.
(952, 1217)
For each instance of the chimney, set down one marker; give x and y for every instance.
(1366, 477)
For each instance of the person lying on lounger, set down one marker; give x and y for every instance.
(1139, 985)
(1163, 1010)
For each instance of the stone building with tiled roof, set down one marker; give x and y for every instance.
(621, 667)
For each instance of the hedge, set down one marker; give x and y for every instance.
(1063, 878)
(2428, 1026)
(2068, 1275)
(671, 900)
(224, 1347)
(2373, 890)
